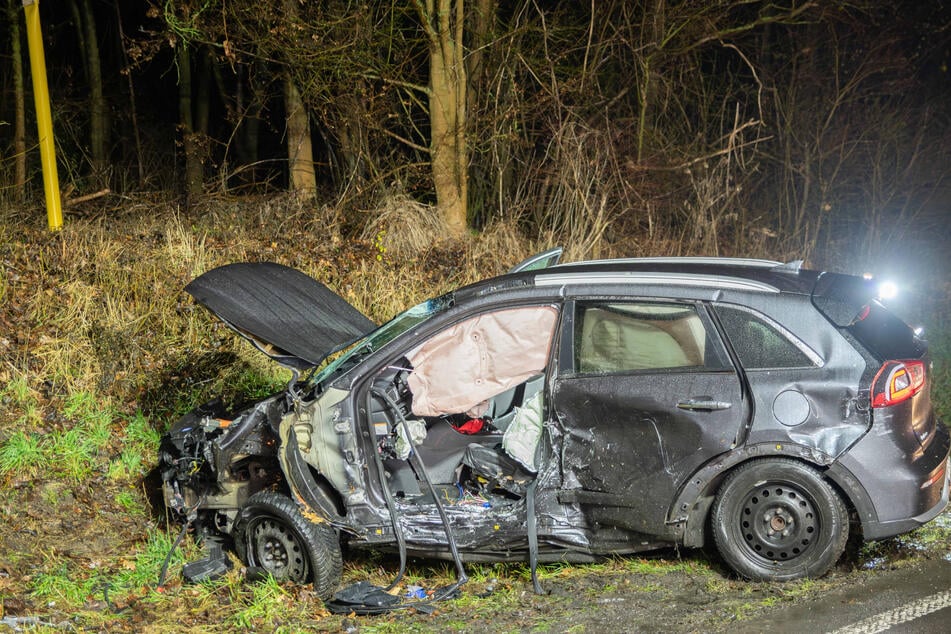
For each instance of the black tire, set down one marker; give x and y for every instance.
(779, 520)
(270, 533)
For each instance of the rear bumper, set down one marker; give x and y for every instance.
(898, 492)
(882, 530)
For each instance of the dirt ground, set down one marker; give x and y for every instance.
(670, 591)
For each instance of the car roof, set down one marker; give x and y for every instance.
(733, 273)
(737, 274)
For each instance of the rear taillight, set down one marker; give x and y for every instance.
(897, 381)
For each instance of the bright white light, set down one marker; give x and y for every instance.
(887, 290)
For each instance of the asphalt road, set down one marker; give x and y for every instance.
(915, 599)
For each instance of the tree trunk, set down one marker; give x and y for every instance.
(300, 154)
(133, 112)
(654, 26)
(194, 170)
(491, 145)
(19, 117)
(98, 113)
(443, 23)
(248, 111)
(482, 32)
(352, 171)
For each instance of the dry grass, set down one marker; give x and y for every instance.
(100, 309)
(403, 228)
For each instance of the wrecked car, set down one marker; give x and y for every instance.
(566, 412)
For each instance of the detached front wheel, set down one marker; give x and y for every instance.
(779, 520)
(271, 533)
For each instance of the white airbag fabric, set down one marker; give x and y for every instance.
(463, 366)
(522, 436)
(417, 434)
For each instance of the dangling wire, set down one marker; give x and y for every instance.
(460, 569)
(391, 504)
(342, 607)
(190, 518)
(533, 536)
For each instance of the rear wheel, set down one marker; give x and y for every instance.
(778, 520)
(272, 534)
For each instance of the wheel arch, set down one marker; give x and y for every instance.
(690, 511)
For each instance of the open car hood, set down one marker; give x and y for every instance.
(289, 316)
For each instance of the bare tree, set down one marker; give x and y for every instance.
(300, 154)
(442, 22)
(88, 39)
(19, 97)
(191, 133)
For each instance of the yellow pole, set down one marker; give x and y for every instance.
(44, 120)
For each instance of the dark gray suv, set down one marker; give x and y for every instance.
(567, 412)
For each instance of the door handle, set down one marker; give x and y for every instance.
(703, 404)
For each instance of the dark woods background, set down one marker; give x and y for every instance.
(788, 129)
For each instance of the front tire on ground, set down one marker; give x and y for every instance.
(779, 520)
(271, 533)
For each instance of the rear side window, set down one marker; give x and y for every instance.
(758, 343)
(626, 337)
(885, 335)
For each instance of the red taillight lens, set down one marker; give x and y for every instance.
(897, 381)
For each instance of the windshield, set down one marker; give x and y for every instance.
(383, 335)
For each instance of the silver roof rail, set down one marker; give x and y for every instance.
(750, 262)
(554, 278)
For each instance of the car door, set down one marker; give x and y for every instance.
(645, 394)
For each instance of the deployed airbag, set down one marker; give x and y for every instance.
(461, 367)
(521, 438)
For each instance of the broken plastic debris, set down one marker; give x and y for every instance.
(361, 598)
(214, 565)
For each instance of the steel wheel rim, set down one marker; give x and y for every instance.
(779, 522)
(277, 549)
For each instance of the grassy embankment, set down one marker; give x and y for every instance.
(101, 349)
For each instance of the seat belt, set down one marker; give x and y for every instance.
(532, 525)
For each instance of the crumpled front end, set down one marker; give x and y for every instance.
(211, 464)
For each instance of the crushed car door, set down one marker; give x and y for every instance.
(645, 395)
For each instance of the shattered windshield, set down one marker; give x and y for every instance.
(383, 335)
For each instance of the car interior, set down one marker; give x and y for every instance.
(471, 398)
(460, 452)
